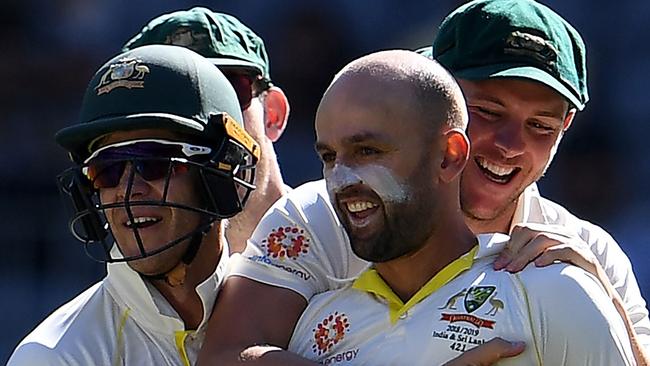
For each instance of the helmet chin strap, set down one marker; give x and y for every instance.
(176, 276)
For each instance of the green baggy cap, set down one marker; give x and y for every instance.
(222, 38)
(158, 87)
(514, 38)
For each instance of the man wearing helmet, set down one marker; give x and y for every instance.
(161, 159)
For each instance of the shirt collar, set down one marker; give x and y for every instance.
(370, 281)
(147, 306)
(530, 208)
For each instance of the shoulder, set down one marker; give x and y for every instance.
(309, 194)
(558, 278)
(64, 334)
(34, 353)
(326, 307)
(574, 320)
(299, 244)
(336, 297)
(345, 303)
(306, 208)
(563, 291)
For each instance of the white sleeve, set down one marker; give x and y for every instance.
(618, 268)
(36, 354)
(300, 245)
(573, 320)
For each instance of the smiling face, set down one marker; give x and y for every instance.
(515, 127)
(378, 164)
(156, 225)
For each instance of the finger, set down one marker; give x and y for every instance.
(531, 251)
(522, 234)
(568, 254)
(503, 259)
(499, 348)
(488, 353)
(519, 237)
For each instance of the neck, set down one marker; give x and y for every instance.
(270, 187)
(183, 297)
(499, 224)
(409, 273)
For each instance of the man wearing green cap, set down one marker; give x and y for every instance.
(241, 55)
(522, 68)
(523, 94)
(161, 160)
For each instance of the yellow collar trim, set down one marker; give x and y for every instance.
(180, 336)
(370, 281)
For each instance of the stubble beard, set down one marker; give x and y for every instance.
(407, 226)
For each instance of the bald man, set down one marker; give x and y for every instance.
(390, 134)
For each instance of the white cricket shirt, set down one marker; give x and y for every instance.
(121, 320)
(561, 312)
(300, 245)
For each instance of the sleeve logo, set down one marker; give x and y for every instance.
(329, 332)
(286, 242)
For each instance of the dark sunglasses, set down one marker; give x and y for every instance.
(247, 86)
(152, 159)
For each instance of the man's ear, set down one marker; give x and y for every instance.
(276, 112)
(570, 115)
(455, 154)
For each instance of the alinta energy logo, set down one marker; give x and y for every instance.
(329, 332)
(286, 242)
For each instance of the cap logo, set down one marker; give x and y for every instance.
(531, 46)
(188, 38)
(127, 73)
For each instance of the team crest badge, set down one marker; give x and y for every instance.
(476, 296)
(286, 242)
(126, 73)
(186, 37)
(329, 332)
(530, 45)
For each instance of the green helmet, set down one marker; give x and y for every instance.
(167, 88)
(153, 86)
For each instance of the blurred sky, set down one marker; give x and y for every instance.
(50, 49)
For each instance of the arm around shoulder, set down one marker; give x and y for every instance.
(252, 323)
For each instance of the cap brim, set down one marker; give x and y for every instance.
(78, 139)
(526, 72)
(234, 63)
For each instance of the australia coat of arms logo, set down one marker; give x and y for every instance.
(126, 73)
(473, 298)
(476, 296)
